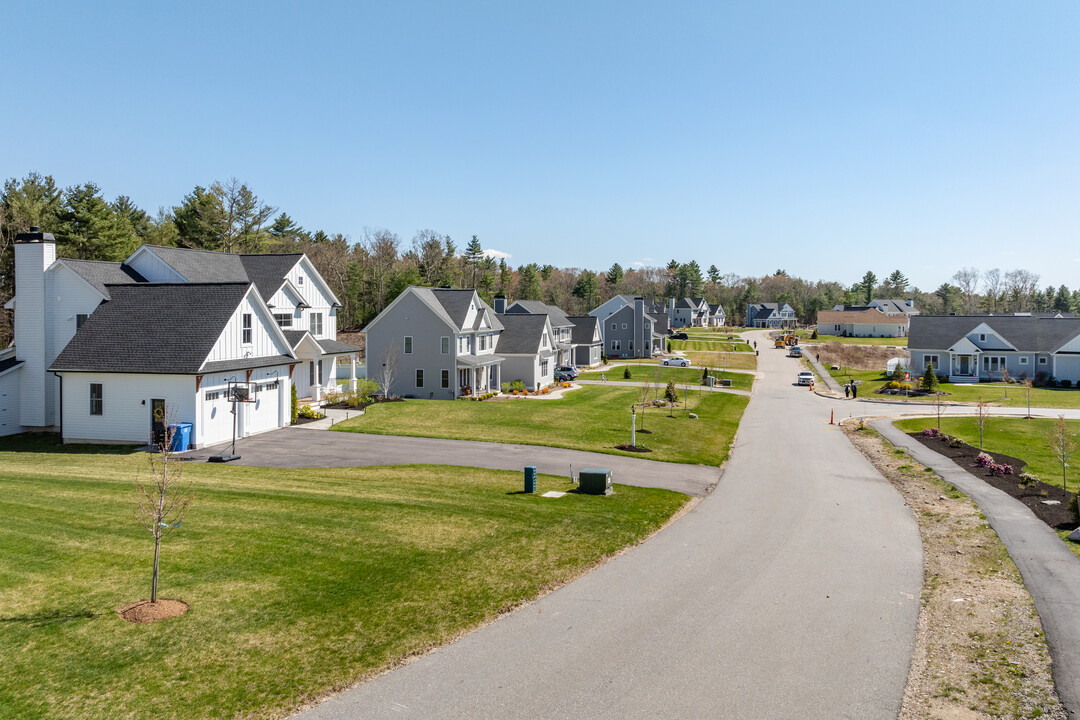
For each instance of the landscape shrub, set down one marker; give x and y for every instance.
(929, 382)
(506, 387)
(1028, 479)
(955, 442)
(813, 335)
(1066, 383)
(294, 408)
(983, 461)
(671, 393)
(517, 385)
(626, 372)
(306, 411)
(546, 390)
(931, 433)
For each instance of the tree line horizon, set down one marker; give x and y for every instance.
(368, 273)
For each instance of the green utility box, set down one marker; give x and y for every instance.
(530, 478)
(593, 481)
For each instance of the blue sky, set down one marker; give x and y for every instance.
(823, 138)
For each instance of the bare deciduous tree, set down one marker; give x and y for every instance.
(967, 279)
(163, 500)
(982, 417)
(643, 395)
(1062, 446)
(389, 370)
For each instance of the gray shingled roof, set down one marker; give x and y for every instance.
(166, 328)
(1027, 334)
(246, 363)
(8, 363)
(202, 266)
(521, 334)
(535, 307)
(100, 273)
(333, 347)
(584, 330)
(268, 271)
(454, 304)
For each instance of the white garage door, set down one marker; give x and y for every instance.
(263, 414)
(1068, 368)
(217, 419)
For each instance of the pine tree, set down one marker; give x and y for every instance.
(929, 379)
(474, 253)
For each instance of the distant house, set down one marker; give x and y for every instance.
(688, 312)
(587, 340)
(974, 348)
(717, 316)
(770, 315)
(435, 343)
(561, 325)
(864, 322)
(630, 332)
(527, 349)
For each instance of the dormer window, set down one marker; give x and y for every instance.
(300, 280)
(246, 332)
(982, 337)
(80, 319)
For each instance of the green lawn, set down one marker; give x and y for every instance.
(1011, 395)
(594, 418)
(804, 336)
(300, 582)
(1024, 439)
(661, 374)
(735, 361)
(711, 345)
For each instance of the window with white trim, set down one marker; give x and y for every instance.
(928, 360)
(614, 326)
(993, 363)
(283, 320)
(616, 345)
(212, 394)
(419, 377)
(316, 324)
(1042, 361)
(624, 326)
(97, 399)
(1023, 360)
(246, 334)
(982, 337)
(407, 349)
(300, 280)
(444, 345)
(543, 367)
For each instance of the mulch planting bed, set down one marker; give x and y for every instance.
(1059, 516)
(145, 611)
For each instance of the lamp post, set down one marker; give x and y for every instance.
(633, 425)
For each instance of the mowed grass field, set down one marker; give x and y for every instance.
(1023, 439)
(300, 582)
(1004, 395)
(660, 375)
(804, 337)
(718, 360)
(594, 418)
(711, 345)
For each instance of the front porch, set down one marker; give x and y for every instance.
(478, 375)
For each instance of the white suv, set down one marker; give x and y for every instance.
(806, 378)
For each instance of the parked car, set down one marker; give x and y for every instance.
(572, 371)
(562, 376)
(678, 361)
(806, 378)
(680, 336)
(795, 351)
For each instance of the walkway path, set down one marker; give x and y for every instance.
(1051, 571)
(789, 591)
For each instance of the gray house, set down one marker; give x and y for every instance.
(974, 348)
(561, 325)
(588, 341)
(688, 312)
(632, 333)
(527, 349)
(435, 343)
(770, 315)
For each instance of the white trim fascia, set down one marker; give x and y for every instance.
(438, 311)
(146, 248)
(984, 329)
(313, 272)
(60, 261)
(10, 304)
(267, 320)
(11, 369)
(297, 295)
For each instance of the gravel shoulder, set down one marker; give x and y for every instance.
(980, 648)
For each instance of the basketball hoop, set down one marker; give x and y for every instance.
(241, 392)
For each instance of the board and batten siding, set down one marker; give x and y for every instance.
(315, 295)
(229, 345)
(125, 407)
(271, 409)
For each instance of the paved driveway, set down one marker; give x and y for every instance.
(789, 591)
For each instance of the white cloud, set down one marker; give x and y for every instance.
(648, 260)
(497, 254)
(638, 264)
(1008, 252)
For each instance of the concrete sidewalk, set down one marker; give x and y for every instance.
(1051, 571)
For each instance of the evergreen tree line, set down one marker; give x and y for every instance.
(368, 273)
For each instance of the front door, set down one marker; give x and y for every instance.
(157, 421)
(965, 364)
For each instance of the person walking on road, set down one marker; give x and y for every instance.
(847, 390)
(854, 390)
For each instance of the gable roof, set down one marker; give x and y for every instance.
(521, 334)
(201, 266)
(268, 271)
(1026, 334)
(100, 273)
(558, 317)
(167, 328)
(895, 307)
(585, 329)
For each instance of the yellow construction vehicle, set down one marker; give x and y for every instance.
(784, 340)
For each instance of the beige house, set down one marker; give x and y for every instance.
(868, 322)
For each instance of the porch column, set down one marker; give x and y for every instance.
(498, 378)
(352, 372)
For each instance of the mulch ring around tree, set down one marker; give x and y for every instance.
(1059, 517)
(633, 448)
(145, 611)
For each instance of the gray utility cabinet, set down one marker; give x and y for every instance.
(593, 481)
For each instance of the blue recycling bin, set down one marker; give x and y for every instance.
(181, 437)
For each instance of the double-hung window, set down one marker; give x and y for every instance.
(408, 345)
(444, 345)
(96, 399)
(419, 377)
(80, 318)
(446, 378)
(246, 333)
(316, 326)
(283, 320)
(930, 360)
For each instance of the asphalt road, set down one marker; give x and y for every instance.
(790, 591)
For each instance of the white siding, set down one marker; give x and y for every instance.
(125, 416)
(229, 345)
(31, 332)
(314, 295)
(268, 412)
(9, 402)
(153, 268)
(69, 296)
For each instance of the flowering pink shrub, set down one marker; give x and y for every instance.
(986, 462)
(931, 433)
(983, 461)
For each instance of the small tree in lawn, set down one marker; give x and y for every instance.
(643, 395)
(163, 500)
(1027, 391)
(389, 370)
(672, 396)
(1062, 446)
(982, 417)
(626, 372)
(929, 379)
(1005, 378)
(939, 405)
